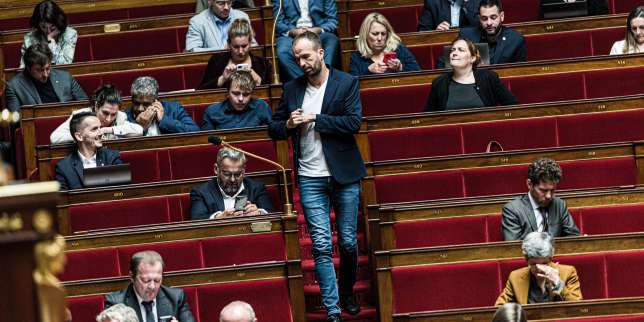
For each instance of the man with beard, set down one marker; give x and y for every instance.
(506, 45)
(229, 194)
(321, 111)
(85, 128)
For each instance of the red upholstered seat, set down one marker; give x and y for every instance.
(148, 165)
(591, 272)
(419, 186)
(177, 255)
(415, 142)
(91, 263)
(45, 126)
(610, 172)
(193, 75)
(398, 100)
(90, 82)
(274, 301)
(85, 308)
(196, 112)
(613, 219)
(623, 81)
(625, 6)
(494, 180)
(610, 318)
(447, 283)
(258, 28)
(449, 231)
(623, 273)
(184, 201)
(521, 10)
(191, 295)
(11, 52)
(424, 56)
(512, 135)
(493, 228)
(402, 19)
(135, 43)
(569, 44)
(257, 248)
(596, 128)
(275, 194)
(97, 16)
(548, 88)
(122, 213)
(14, 23)
(198, 161)
(168, 9)
(604, 38)
(83, 50)
(507, 266)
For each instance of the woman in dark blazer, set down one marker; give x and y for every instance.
(376, 38)
(466, 86)
(221, 65)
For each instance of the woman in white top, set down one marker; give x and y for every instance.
(114, 123)
(49, 25)
(634, 41)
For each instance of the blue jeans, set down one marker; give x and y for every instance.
(289, 69)
(316, 194)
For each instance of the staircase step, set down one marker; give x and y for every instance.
(362, 291)
(367, 314)
(308, 269)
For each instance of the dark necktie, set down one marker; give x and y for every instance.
(544, 217)
(149, 315)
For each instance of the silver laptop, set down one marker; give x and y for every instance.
(108, 175)
(484, 51)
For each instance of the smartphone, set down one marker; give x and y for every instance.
(166, 318)
(389, 56)
(240, 203)
(243, 67)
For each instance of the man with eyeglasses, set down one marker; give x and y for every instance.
(229, 194)
(208, 30)
(539, 209)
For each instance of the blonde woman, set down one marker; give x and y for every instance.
(377, 44)
(634, 41)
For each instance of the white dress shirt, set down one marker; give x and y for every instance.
(455, 13)
(88, 162)
(537, 213)
(142, 308)
(305, 19)
(229, 201)
(312, 161)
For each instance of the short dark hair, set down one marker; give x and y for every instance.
(310, 36)
(491, 3)
(77, 120)
(544, 170)
(106, 93)
(37, 54)
(48, 11)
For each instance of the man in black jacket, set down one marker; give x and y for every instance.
(446, 14)
(229, 194)
(151, 300)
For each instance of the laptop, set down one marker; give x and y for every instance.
(108, 175)
(484, 51)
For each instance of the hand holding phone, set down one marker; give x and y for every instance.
(245, 67)
(240, 203)
(389, 55)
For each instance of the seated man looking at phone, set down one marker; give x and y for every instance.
(229, 194)
(154, 116)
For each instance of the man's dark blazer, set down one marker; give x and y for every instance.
(510, 45)
(170, 301)
(517, 219)
(69, 171)
(338, 120)
(437, 11)
(175, 119)
(20, 89)
(206, 198)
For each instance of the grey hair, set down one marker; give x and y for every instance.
(538, 244)
(145, 86)
(230, 154)
(238, 305)
(146, 256)
(119, 312)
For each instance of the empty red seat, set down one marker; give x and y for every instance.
(512, 135)
(440, 232)
(493, 228)
(604, 38)
(97, 16)
(424, 56)
(11, 53)
(610, 172)
(44, 126)
(415, 142)
(604, 127)
(272, 305)
(148, 165)
(623, 273)
(398, 100)
(625, 6)
(193, 75)
(521, 10)
(135, 43)
(85, 308)
(177, 255)
(495, 180)
(419, 186)
(257, 248)
(591, 272)
(547, 88)
(610, 318)
(402, 19)
(90, 82)
(569, 45)
(258, 28)
(91, 263)
(623, 81)
(613, 219)
(164, 10)
(196, 112)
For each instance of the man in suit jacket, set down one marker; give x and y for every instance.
(85, 128)
(218, 198)
(154, 116)
(147, 296)
(506, 45)
(208, 30)
(446, 14)
(318, 16)
(321, 111)
(542, 281)
(539, 209)
(39, 84)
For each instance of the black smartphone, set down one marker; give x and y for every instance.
(240, 203)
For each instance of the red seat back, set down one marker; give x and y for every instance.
(613, 219)
(494, 180)
(45, 126)
(177, 255)
(449, 231)
(591, 272)
(90, 264)
(604, 38)
(419, 186)
(402, 19)
(512, 135)
(85, 308)
(558, 87)
(569, 45)
(148, 165)
(623, 81)
(593, 128)
(521, 10)
(257, 248)
(611, 172)
(623, 272)
(415, 142)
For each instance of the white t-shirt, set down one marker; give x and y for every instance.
(312, 161)
(305, 19)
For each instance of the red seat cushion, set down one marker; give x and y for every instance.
(512, 135)
(558, 87)
(611, 172)
(90, 264)
(135, 43)
(193, 75)
(96, 16)
(415, 142)
(402, 19)
(89, 82)
(596, 128)
(440, 232)
(169, 78)
(569, 45)
(45, 126)
(613, 219)
(424, 56)
(225, 251)
(494, 180)
(85, 308)
(258, 28)
(122, 213)
(493, 227)
(11, 52)
(625, 6)
(604, 38)
(419, 186)
(591, 272)
(447, 283)
(394, 100)
(177, 255)
(623, 81)
(623, 272)
(521, 10)
(272, 305)
(147, 165)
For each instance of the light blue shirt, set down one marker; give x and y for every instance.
(207, 32)
(455, 13)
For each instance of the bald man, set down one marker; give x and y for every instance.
(237, 311)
